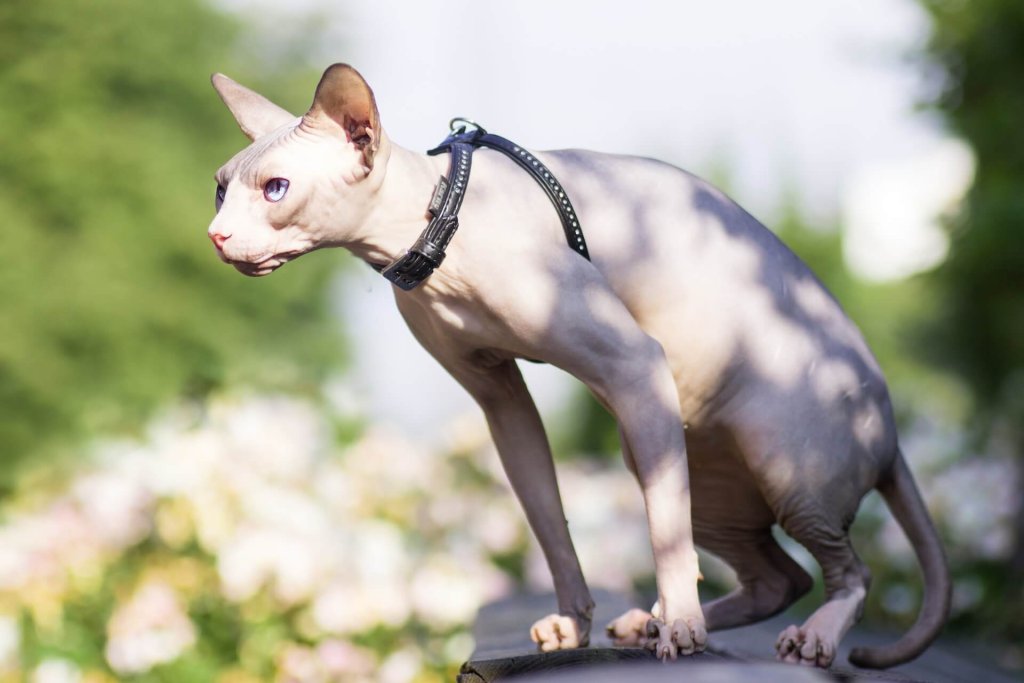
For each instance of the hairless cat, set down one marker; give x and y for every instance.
(744, 396)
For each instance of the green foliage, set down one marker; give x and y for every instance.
(112, 299)
(978, 48)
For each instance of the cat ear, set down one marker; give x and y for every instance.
(255, 114)
(343, 98)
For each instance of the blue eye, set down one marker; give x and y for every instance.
(220, 196)
(275, 189)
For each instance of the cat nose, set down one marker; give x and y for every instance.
(218, 239)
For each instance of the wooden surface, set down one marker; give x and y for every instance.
(504, 652)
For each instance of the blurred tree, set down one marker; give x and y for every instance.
(111, 299)
(978, 48)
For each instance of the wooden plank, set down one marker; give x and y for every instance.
(504, 651)
(485, 671)
(504, 648)
(687, 671)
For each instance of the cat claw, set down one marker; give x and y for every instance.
(804, 646)
(682, 637)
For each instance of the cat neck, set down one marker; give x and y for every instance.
(402, 183)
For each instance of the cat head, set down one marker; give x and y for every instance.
(301, 184)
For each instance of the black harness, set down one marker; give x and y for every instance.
(410, 270)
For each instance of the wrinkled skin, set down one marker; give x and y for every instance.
(745, 397)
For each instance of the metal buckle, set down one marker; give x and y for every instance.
(461, 119)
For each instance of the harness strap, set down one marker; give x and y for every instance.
(419, 262)
(478, 137)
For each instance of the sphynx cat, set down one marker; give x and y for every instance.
(745, 397)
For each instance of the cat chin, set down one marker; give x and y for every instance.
(255, 269)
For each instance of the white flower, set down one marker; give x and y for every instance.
(244, 564)
(467, 433)
(401, 667)
(56, 671)
(117, 508)
(299, 664)
(352, 606)
(150, 629)
(43, 546)
(377, 550)
(297, 570)
(339, 609)
(289, 510)
(10, 643)
(277, 437)
(336, 492)
(447, 592)
(390, 466)
(498, 526)
(451, 510)
(339, 658)
(255, 557)
(386, 602)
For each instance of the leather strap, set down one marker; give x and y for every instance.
(427, 254)
(478, 137)
(419, 262)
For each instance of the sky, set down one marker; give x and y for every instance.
(799, 98)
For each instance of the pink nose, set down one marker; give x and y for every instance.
(218, 239)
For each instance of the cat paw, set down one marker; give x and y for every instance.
(682, 637)
(557, 632)
(629, 630)
(805, 646)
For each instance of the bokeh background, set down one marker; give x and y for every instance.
(211, 478)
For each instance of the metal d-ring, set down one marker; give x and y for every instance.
(461, 119)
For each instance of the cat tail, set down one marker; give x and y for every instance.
(904, 501)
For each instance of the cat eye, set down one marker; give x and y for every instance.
(220, 196)
(275, 189)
